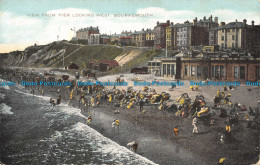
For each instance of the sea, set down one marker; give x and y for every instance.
(34, 132)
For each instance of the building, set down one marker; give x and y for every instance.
(238, 35)
(208, 23)
(73, 66)
(154, 67)
(115, 37)
(149, 41)
(225, 69)
(94, 39)
(189, 35)
(160, 34)
(104, 39)
(84, 34)
(200, 66)
(107, 65)
(125, 40)
(102, 65)
(139, 38)
(170, 36)
(213, 36)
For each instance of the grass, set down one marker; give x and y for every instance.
(85, 53)
(137, 62)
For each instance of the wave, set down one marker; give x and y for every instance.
(2, 96)
(5, 109)
(108, 147)
(5, 86)
(101, 144)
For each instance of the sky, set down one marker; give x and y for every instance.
(25, 22)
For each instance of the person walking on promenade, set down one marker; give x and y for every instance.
(194, 123)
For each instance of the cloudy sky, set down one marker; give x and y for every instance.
(25, 22)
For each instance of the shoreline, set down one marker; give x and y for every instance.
(156, 140)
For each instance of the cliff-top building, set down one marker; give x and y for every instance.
(84, 33)
(238, 35)
(160, 34)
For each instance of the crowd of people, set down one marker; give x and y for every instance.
(86, 97)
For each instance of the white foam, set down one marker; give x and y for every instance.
(107, 146)
(2, 96)
(29, 94)
(5, 109)
(70, 110)
(5, 86)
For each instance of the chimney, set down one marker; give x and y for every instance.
(195, 21)
(171, 23)
(142, 29)
(216, 19)
(244, 22)
(168, 22)
(157, 23)
(222, 23)
(253, 23)
(97, 27)
(204, 18)
(210, 18)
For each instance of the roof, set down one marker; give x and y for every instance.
(183, 24)
(127, 37)
(109, 62)
(232, 25)
(88, 28)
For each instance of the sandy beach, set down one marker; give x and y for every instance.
(154, 130)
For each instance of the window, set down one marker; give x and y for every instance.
(221, 71)
(233, 30)
(168, 69)
(235, 72)
(186, 70)
(257, 73)
(173, 71)
(222, 45)
(233, 37)
(242, 71)
(222, 38)
(198, 70)
(222, 30)
(193, 71)
(233, 45)
(164, 69)
(213, 71)
(216, 71)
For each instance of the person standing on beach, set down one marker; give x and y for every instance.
(115, 124)
(141, 105)
(194, 123)
(176, 131)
